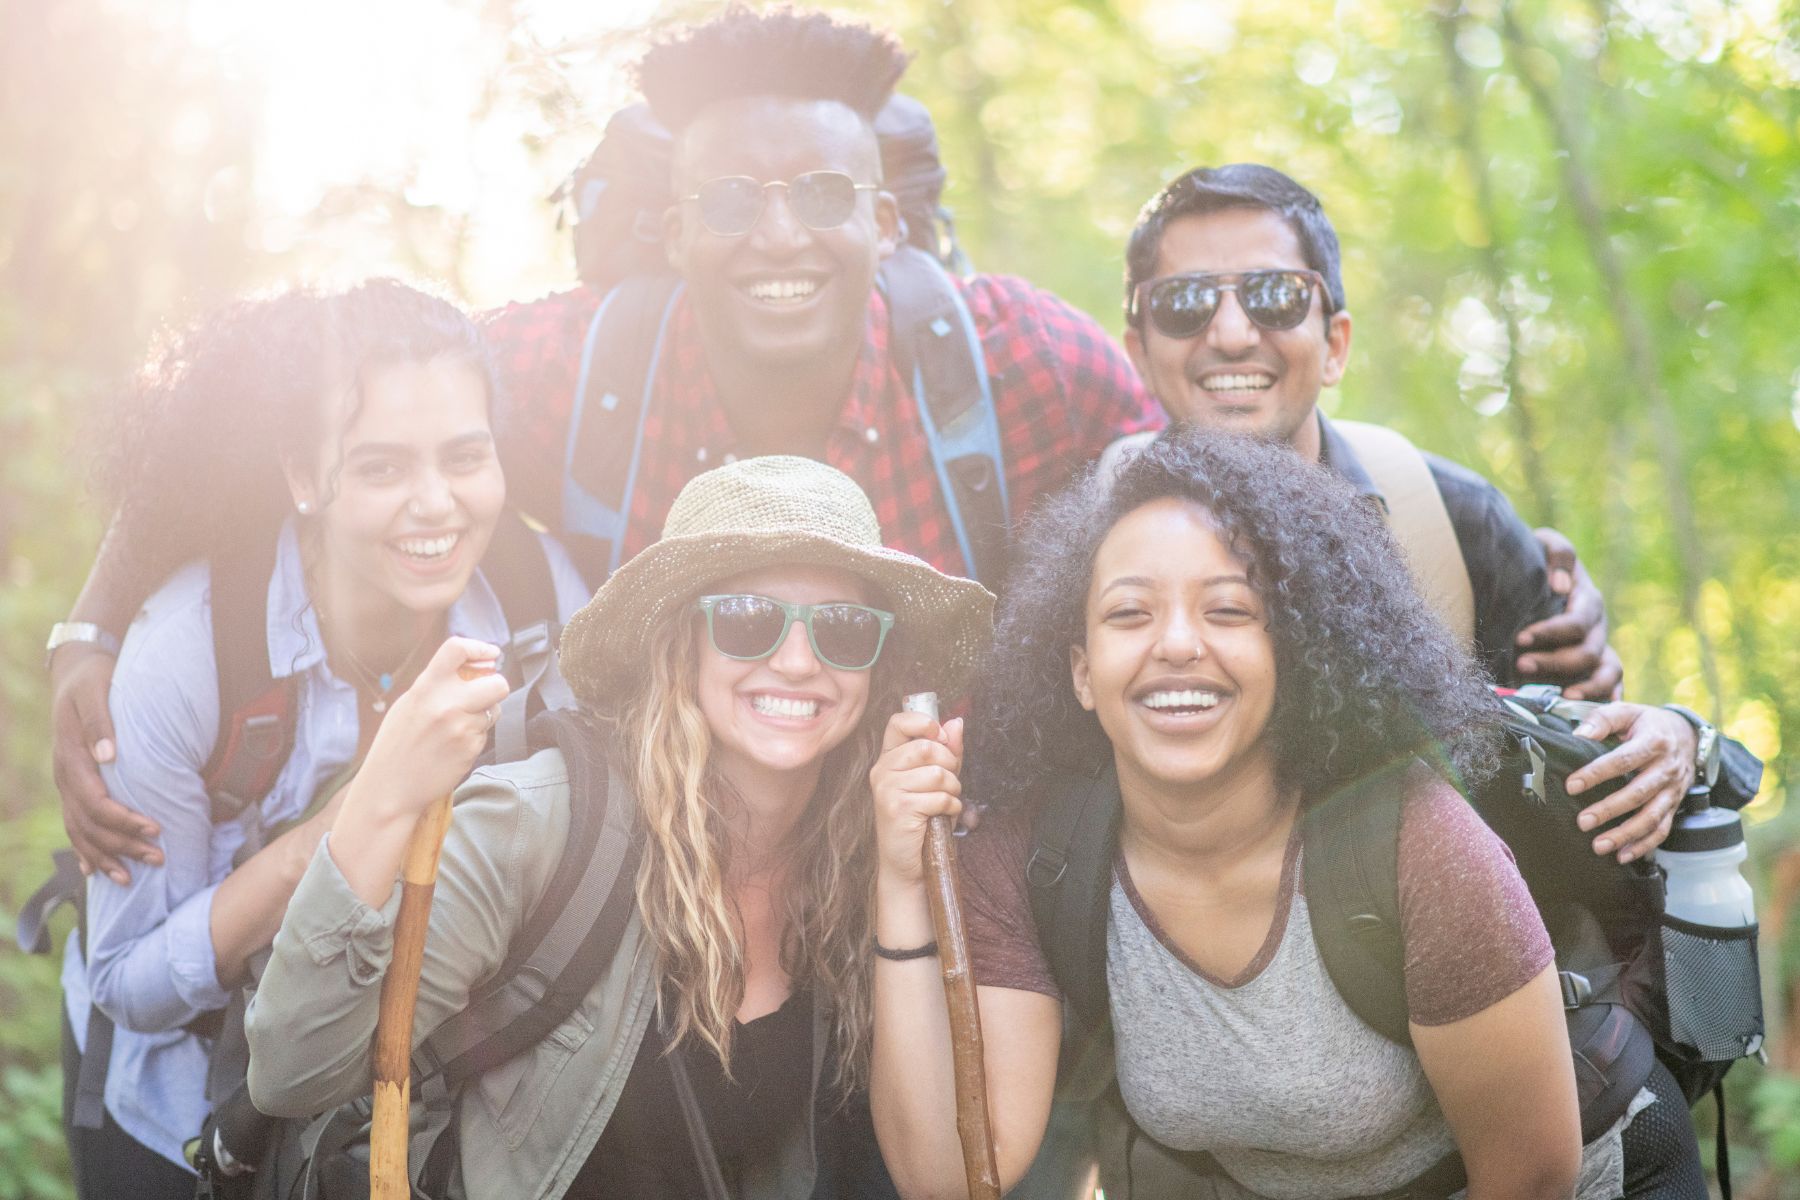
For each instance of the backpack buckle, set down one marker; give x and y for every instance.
(1577, 991)
(1534, 779)
(1046, 867)
(261, 736)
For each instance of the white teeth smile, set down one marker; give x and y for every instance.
(1189, 698)
(781, 706)
(428, 549)
(784, 290)
(1256, 382)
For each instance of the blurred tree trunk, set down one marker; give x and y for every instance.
(1641, 364)
(1450, 17)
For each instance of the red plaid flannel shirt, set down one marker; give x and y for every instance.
(1062, 390)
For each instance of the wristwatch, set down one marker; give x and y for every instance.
(1706, 749)
(64, 632)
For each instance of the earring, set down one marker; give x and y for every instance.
(304, 507)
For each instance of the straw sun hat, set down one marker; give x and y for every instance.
(763, 512)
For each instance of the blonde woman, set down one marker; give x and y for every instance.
(739, 673)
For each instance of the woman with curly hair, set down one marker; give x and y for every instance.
(326, 464)
(1231, 640)
(736, 676)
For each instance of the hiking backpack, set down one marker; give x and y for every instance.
(559, 954)
(258, 716)
(1604, 917)
(621, 193)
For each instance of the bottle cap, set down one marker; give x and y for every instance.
(1708, 829)
(1697, 799)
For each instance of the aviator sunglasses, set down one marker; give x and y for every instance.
(751, 628)
(1180, 306)
(731, 205)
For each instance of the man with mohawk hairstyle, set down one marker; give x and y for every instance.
(781, 341)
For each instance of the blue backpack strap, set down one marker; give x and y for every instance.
(619, 358)
(938, 353)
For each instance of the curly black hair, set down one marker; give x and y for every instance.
(193, 463)
(1366, 675)
(784, 51)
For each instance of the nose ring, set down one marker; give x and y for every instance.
(413, 509)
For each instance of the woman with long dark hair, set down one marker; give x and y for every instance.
(326, 460)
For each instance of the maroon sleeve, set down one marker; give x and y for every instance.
(1470, 929)
(537, 355)
(1003, 944)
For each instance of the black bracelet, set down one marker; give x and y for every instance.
(925, 951)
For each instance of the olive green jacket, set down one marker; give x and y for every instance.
(527, 1126)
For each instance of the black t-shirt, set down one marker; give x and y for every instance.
(645, 1149)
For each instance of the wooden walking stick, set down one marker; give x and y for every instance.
(390, 1121)
(959, 995)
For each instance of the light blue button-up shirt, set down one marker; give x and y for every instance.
(150, 952)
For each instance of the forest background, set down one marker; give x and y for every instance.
(1572, 246)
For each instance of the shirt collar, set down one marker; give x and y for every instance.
(295, 642)
(1336, 455)
(701, 431)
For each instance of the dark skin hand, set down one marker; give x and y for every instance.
(103, 831)
(1656, 744)
(1570, 648)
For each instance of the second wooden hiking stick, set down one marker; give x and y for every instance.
(390, 1121)
(959, 995)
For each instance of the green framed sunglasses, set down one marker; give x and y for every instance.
(750, 628)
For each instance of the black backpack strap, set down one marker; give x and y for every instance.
(66, 885)
(1350, 862)
(1074, 840)
(257, 712)
(516, 567)
(573, 931)
(938, 354)
(606, 425)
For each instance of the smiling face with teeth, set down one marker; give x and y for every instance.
(1178, 663)
(782, 296)
(773, 721)
(1234, 374)
(408, 489)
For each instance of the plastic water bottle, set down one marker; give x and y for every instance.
(1700, 860)
(1709, 933)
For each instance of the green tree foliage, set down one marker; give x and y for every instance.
(1571, 244)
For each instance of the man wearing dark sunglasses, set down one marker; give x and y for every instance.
(1236, 318)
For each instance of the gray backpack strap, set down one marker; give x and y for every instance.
(573, 932)
(937, 351)
(540, 685)
(66, 885)
(1421, 523)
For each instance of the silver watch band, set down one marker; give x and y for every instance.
(1707, 747)
(64, 632)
